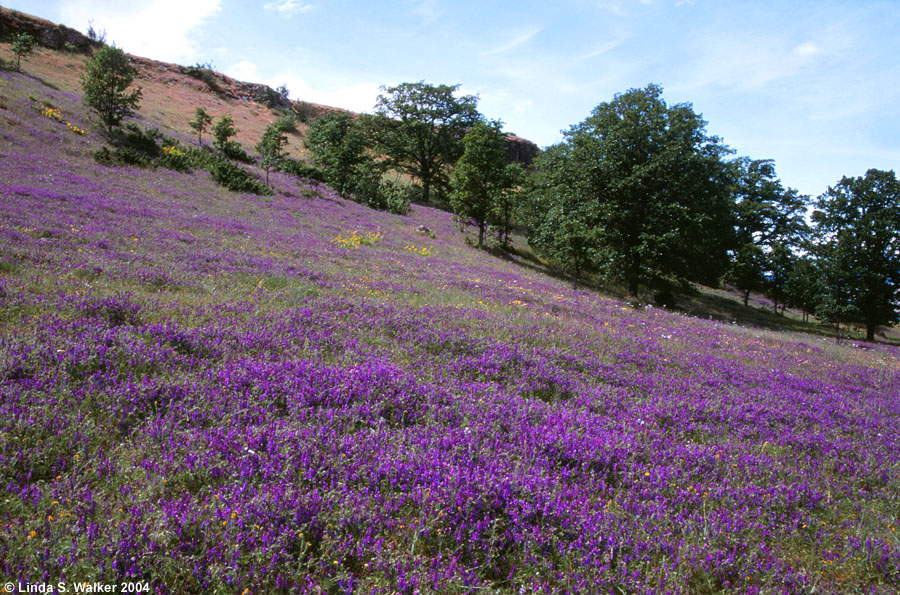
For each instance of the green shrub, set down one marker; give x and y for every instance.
(236, 179)
(205, 72)
(396, 197)
(286, 122)
(298, 168)
(133, 145)
(201, 157)
(306, 112)
(175, 157)
(233, 150)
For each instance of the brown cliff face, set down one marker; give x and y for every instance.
(56, 37)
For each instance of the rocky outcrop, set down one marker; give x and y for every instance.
(45, 33)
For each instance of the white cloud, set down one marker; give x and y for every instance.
(357, 97)
(288, 8)
(158, 29)
(808, 49)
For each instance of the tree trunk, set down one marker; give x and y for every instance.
(747, 297)
(481, 234)
(633, 286)
(426, 188)
(870, 333)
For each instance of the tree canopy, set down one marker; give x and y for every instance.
(858, 233)
(271, 148)
(105, 83)
(650, 191)
(201, 122)
(419, 127)
(770, 225)
(482, 176)
(338, 148)
(22, 45)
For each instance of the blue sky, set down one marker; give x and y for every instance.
(814, 85)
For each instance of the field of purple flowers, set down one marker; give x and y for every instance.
(216, 392)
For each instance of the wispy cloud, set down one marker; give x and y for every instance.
(288, 8)
(604, 48)
(513, 43)
(145, 27)
(749, 62)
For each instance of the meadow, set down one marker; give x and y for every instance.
(217, 392)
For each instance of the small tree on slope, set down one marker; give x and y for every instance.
(201, 123)
(105, 82)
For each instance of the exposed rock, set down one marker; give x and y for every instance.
(45, 33)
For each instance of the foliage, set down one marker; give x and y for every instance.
(389, 196)
(271, 147)
(223, 131)
(804, 288)
(507, 203)
(338, 147)
(236, 179)
(647, 187)
(22, 45)
(302, 170)
(306, 112)
(201, 122)
(105, 83)
(858, 243)
(747, 271)
(481, 176)
(133, 145)
(286, 121)
(419, 127)
(558, 216)
(772, 219)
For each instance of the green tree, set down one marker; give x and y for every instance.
(338, 147)
(771, 219)
(804, 285)
(22, 45)
(747, 271)
(201, 122)
(105, 83)
(654, 188)
(858, 232)
(271, 148)
(559, 215)
(223, 131)
(419, 127)
(508, 202)
(481, 176)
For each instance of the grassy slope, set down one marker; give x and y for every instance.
(213, 391)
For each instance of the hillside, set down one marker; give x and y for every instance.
(172, 94)
(218, 392)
